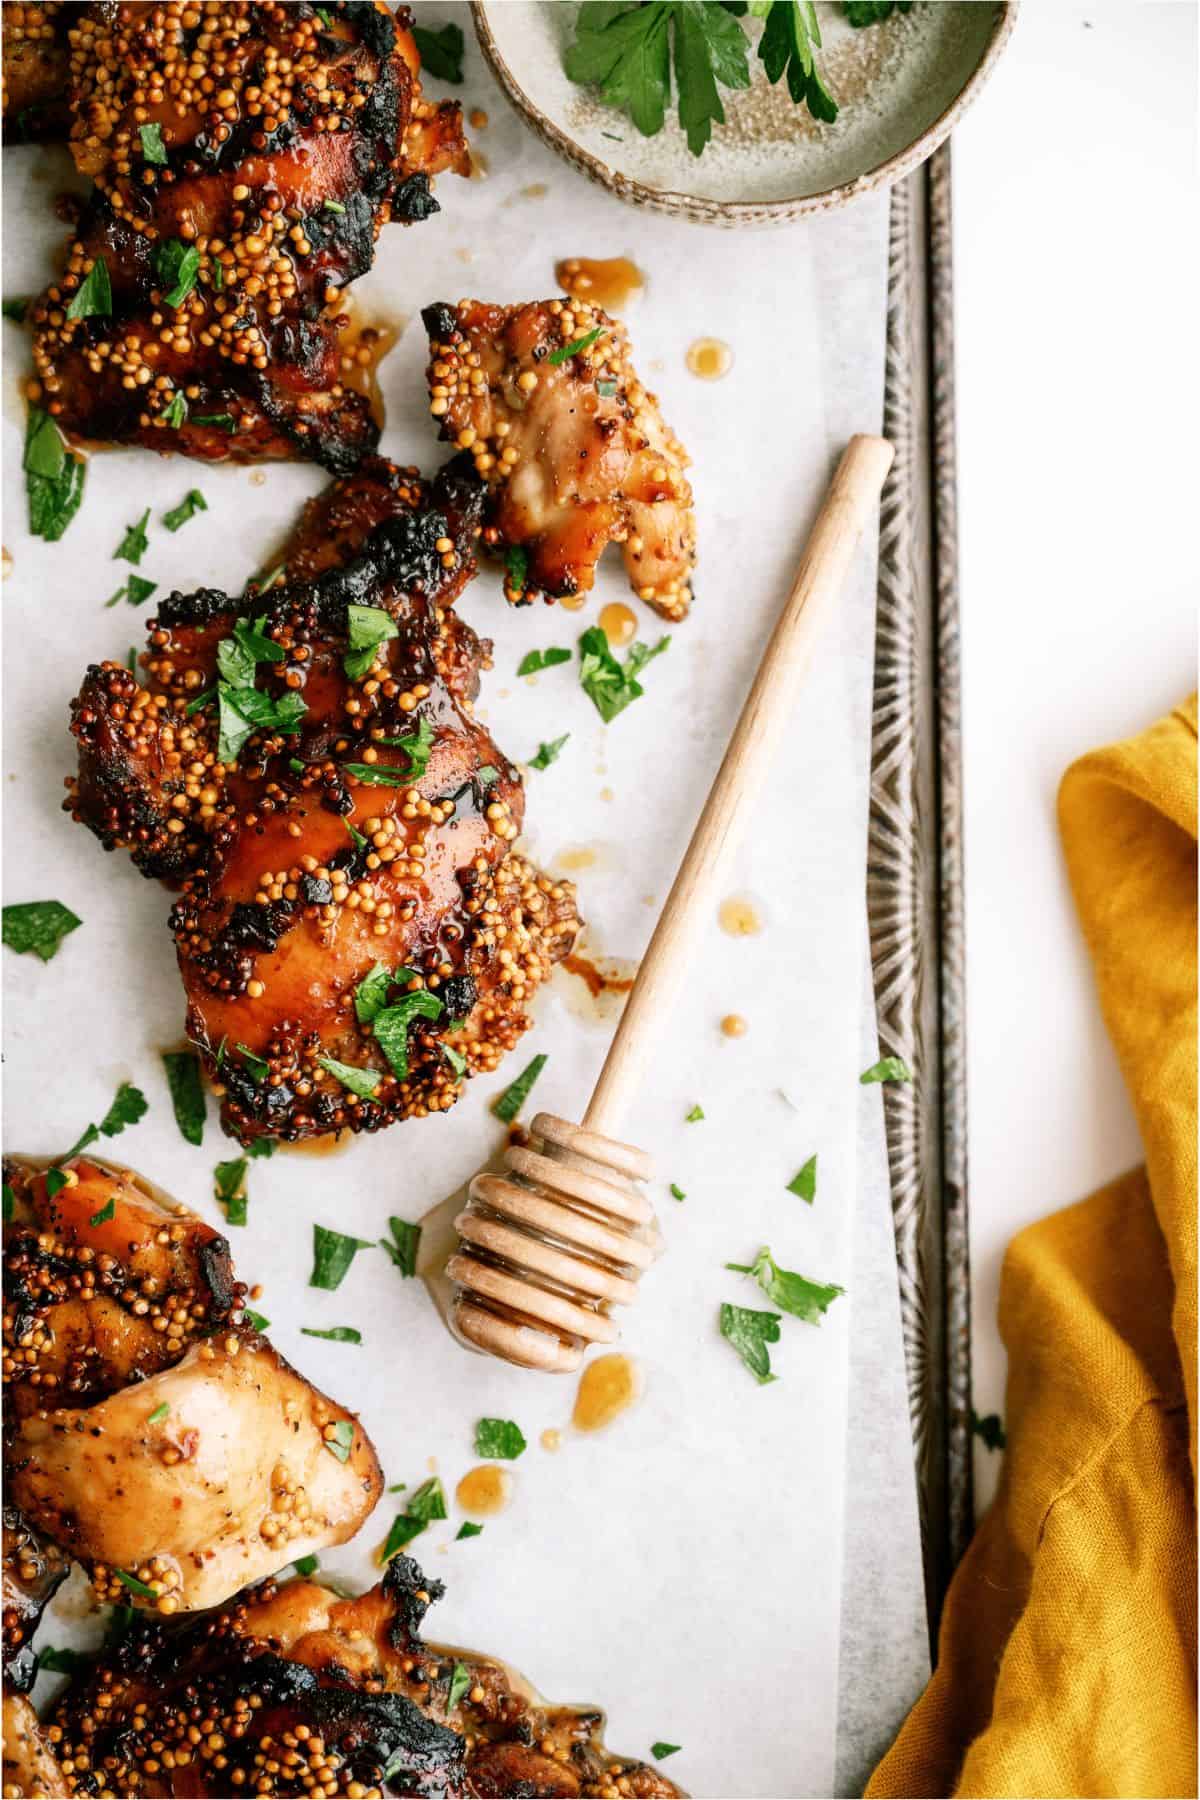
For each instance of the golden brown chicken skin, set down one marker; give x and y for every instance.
(303, 1692)
(150, 1433)
(35, 62)
(355, 931)
(245, 158)
(545, 399)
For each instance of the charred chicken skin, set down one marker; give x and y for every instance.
(355, 930)
(150, 1433)
(292, 1690)
(245, 157)
(545, 399)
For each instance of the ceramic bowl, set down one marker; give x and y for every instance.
(901, 85)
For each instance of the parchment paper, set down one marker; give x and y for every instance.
(682, 1569)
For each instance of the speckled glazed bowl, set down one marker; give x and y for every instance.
(901, 86)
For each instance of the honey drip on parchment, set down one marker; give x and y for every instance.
(739, 916)
(709, 358)
(618, 623)
(607, 1388)
(485, 1490)
(610, 282)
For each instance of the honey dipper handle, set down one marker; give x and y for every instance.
(847, 507)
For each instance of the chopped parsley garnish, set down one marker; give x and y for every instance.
(243, 708)
(307, 1565)
(425, 1504)
(136, 590)
(441, 51)
(458, 1062)
(176, 265)
(363, 1082)
(56, 1181)
(356, 837)
(534, 660)
(322, 13)
(677, 1192)
(133, 1584)
(517, 1092)
(750, 1333)
(416, 746)
(460, 1685)
(333, 206)
(255, 1320)
(487, 775)
(193, 502)
(333, 1252)
(60, 1662)
(499, 1438)
(337, 1334)
(106, 1212)
(548, 753)
(129, 1105)
(659, 1750)
(230, 1187)
(610, 685)
(256, 1066)
(159, 1414)
(225, 420)
(403, 1245)
(15, 310)
(133, 545)
(606, 389)
(54, 477)
(468, 1529)
(391, 1026)
(187, 1092)
(342, 1441)
(792, 1293)
(93, 297)
(804, 1184)
(697, 1112)
(990, 1428)
(368, 627)
(38, 926)
(259, 1148)
(871, 12)
(10, 1201)
(888, 1068)
(153, 148)
(516, 563)
(176, 413)
(566, 351)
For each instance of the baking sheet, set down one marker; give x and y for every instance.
(682, 1569)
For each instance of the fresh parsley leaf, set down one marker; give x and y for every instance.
(468, 1529)
(256, 1066)
(370, 996)
(677, 1192)
(606, 389)
(804, 1184)
(625, 51)
(10, 1201)
(659, 1750)
(391, 1026)
(425, 1504)
(487, 775)
(441, 52)
(750, 1333)
(15, 310)
(792, 1293)
(368, 627)
(460, 1684)
(790, 36)
(307, 1565)
(159, 1414)
(105, 1213)
(337, 1334)
(255, 1320)
(403, 1246)
(516, 564)
(333, 1252)
(566, 351)
(175, 415)
(499, 1438)
(129, 1105)
(990, 1428)
(322, 13)
(697, 1112)
(133, 1584)
(244, 709)
(193, 502)
(416, 746)
(187, 1093)
(230, 1188)
(363, 1082)
(710, 47)
(333, 206)
(177, 265)
(341, 1442)
(60, 1662)
(871, 12)
(261, 1147)
(93, 297)
(54, 477)
(517, 1092)
(38, 926)
(136, 590)
(548, 753)
(458, 1062)
(356, 837)
(534, 660)
(56, 1181)
(133, 545)
(888, 1068)
(153, 148)
(608, 685)
(225, 420)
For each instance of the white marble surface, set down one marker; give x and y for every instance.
(1077, 300)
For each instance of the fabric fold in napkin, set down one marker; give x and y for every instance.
(1067, 1659)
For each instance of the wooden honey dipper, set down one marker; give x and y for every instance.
(546, 1250)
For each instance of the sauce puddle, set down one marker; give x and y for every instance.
(607, 1388)
(610, 281)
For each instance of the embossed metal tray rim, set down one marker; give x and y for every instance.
(914, 861)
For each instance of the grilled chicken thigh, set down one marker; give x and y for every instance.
(355, 931)
(298, 1691)
(546, 400)
(151, 1433)
(245, 157)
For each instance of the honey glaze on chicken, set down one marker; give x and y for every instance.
(359, 859)
(293, 1690)
(150, 1433)
(545, 399)
(245, 157)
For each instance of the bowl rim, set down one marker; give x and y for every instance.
(747, 212)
